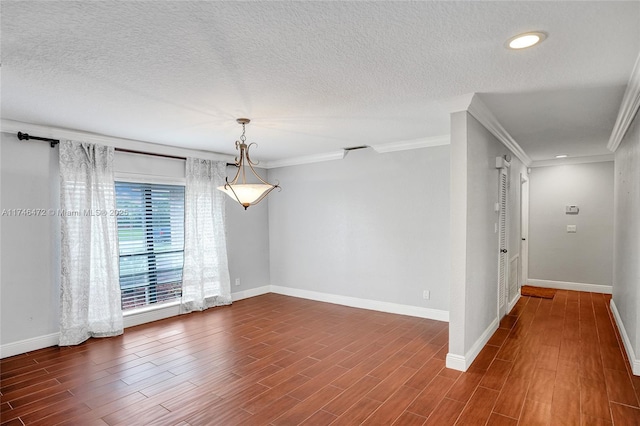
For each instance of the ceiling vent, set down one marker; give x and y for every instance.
(354, 148)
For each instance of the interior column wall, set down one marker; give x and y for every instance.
(474, 253)
(626, 268)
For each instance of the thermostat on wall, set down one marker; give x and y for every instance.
(572, 210)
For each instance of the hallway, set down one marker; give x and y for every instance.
(554, 362)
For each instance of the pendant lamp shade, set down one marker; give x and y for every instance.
(247, 194)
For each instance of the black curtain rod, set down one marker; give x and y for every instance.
(26, 137)
(54, 142)
(133, 151)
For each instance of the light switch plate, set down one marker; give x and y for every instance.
(572, 229)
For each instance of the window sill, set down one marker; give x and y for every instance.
(151, 313)
(149, 308)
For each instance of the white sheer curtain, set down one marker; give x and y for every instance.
(205, 278)
(89, 286)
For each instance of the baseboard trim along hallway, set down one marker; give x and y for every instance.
(462, 363)
(633, 361)
(564, 285)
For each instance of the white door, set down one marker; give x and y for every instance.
(503, 261)
(524, 230)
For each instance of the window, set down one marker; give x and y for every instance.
(151, 240)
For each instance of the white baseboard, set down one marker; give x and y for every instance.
(456, 362)
(563, 285)
(354, 302)
(513, 302)
(252, 292)
(146, 315)
(28, 345)
(633, 361)
(462, 363)
(130, 320)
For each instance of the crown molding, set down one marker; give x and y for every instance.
(412, 144)
(306, 159)
(628, 108)
(12, 126)
(458, 103)
(380, 149)
(573, 160)
(483, 114)
(471, 103)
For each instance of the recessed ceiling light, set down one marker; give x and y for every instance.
(522, 41)
(561, 156)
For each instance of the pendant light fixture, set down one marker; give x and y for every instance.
(246, 194)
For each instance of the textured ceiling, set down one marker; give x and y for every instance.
(316, 76)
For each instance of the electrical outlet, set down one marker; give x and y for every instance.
(426, 294)
(237, 281)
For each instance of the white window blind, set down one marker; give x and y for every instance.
(151, 242)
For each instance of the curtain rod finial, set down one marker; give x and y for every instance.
(26, 137)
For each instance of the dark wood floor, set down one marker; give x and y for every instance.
(283, 361)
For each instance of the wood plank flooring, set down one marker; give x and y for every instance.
(277, 360)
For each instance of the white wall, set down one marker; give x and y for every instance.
(482, 240)
(29, 268)
(474, 250)
(458, 223)
(585, 257)
(248, 242)
(30, 261)
(626, 271)
(371, 226)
